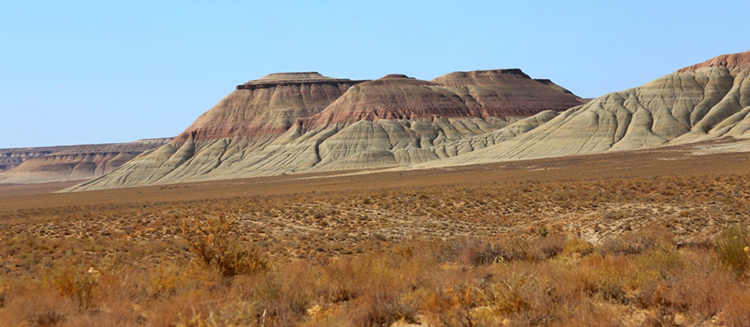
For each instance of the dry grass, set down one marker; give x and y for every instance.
(635, 251)
(214, 246)
(733, 248)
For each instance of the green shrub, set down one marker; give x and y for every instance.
(730, 248)
(578, 246)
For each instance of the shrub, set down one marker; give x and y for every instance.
(730, 249)
(511, 294)
(453, 306)
(76, 284)
(736, 311)
(41, 308)
(481, 252)
(637, 242)
(547, 247)
(211, 242)
(578, 246)
(165, 281)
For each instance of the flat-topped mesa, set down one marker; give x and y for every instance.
(264, 108)
(508, 92)
(305, 122)
(394, 96)
(293, 78)
(733, 62)
(502, 93)
(482, 77)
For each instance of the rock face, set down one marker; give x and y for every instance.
(460, 118)
(702, 102)
(478, 94)
(732, 62)
(264, 109)
(76, 162)
(305, 122)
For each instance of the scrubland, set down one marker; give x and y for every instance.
(630, 251)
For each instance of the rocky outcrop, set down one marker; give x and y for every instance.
(261, 110)
(702, 102)
(507, 93)
(732, 62)
(292, 123)
(76, 162)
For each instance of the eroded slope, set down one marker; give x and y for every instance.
(697, 103)
(395, 120)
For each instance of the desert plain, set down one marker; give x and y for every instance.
(637, 238)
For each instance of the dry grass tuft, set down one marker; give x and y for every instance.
(214, 246)
(732, 249)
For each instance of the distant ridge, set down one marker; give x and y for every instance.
(72, 162)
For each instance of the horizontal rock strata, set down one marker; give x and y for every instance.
(75, 162)
(305, 122)
(702, 102)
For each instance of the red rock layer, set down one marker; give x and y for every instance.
(731, 61)
(482, 94)
(267, 107)
(392, 97)
(509, 92)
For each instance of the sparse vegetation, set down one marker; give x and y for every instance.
(733, 248)
(211, 241)
(610, 252)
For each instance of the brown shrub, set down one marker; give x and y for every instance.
(700, 290)
(75, 283)
(636, 242)
(453, 306)
(211, 242)
(37, 308)
(547, 247)
(481, 252)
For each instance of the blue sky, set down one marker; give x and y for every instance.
(81, 72)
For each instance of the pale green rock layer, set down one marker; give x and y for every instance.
(680, 108)
(702, 102)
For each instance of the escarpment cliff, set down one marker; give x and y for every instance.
(262, 109)
(456, 119)
(306, 122)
